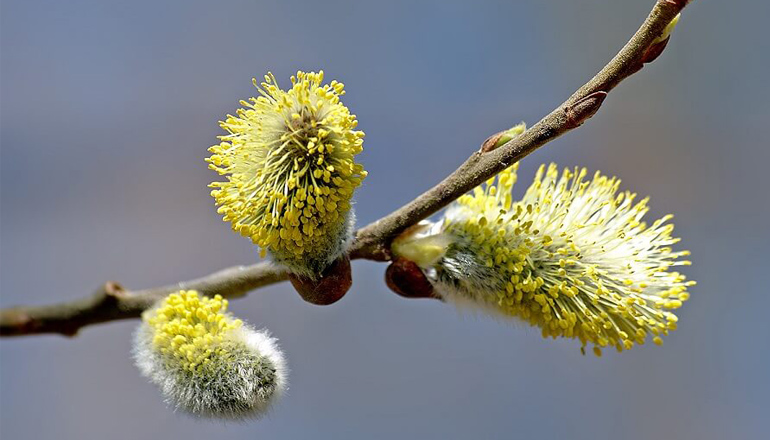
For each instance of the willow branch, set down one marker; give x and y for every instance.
(372, 240)
(112, 302)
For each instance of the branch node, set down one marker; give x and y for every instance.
(113, 289)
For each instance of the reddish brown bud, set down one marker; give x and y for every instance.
(583, 109)
(654, 51)
(499, 139)
(329, 288)
(406, 279)
(491, 142)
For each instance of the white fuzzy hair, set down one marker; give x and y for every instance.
(242, 387)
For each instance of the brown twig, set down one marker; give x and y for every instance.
(111, 302)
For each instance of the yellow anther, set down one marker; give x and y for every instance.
(186, 326)
(276, 150)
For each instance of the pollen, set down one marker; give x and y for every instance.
(289, 162)
(191, 330)
(572, 257)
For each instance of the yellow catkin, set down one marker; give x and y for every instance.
(573, 257)
(289, 160)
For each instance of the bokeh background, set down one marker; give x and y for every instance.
(108, 108)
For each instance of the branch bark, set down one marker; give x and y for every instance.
(111, 302)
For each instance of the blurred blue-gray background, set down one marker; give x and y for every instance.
(108, 108)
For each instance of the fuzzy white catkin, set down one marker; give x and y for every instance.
(238, 372)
